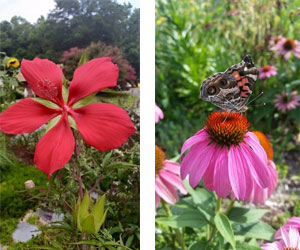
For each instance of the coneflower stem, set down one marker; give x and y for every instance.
(229, 207)
(179, 235)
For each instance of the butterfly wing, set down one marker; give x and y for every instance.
(231, 90)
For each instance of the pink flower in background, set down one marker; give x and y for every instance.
(290, 241)
(158, 114)
(293, 222)
(167, 178)
(274, 40)
(267, 71)
(227, 156)
(286, 47)
(286, 101)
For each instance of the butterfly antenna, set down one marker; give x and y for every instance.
(259, 95)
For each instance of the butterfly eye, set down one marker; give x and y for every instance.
(211, 90)
(223, 82)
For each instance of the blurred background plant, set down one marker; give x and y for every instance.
(195, 39)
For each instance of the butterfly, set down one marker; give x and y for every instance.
(231, 90)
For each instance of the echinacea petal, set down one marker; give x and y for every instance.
(258, 168)
(191, 159)
(45, 78)
(55, 148)
(173, 180)
(91, 77)
(198, 137)
(171, 166)
(164, 192)
(221, 177)
(157, 200)
(104, 126)
(208, 177)
(236, 173)
(25, 116)
(200, 165)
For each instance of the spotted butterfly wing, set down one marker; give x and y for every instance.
(231, 90)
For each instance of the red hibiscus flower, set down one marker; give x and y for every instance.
(102, 125)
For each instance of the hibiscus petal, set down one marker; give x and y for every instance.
(45, 78)
(25, 116)
(104, 126)
(55, 148)
(92, 77)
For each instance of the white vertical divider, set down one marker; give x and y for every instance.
(147, 112)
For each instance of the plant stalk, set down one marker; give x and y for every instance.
(179, 235)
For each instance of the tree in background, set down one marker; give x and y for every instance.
(74, 23)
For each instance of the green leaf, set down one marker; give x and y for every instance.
(88, 225)
(246, 246)
(83, 59)
(189, 218)
(52, 123)
(224, 227)
(257, 230)
(98, 210)
(245, 215)
(85, 101)
(129, 240)
(198, 245)
(46, 103)
(121, 165)
(83, 210)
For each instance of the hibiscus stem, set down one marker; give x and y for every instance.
(96, 183)
(179, 235)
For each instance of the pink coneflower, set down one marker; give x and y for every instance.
(286, 47)
(166, 179)
(293, 222)
(274, 40)
(267, 71)
(286, 101)
(158, 114)
(290, 241)
(260, 195)
(227, 156)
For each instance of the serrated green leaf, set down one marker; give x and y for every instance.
(52, 123)
(46, 103)
(223, 225)
(83, 210)
(102, 220)
(85, 101)
(245, 215)
(88, 225)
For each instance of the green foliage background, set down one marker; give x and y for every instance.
(74, 23)
(197, 38)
